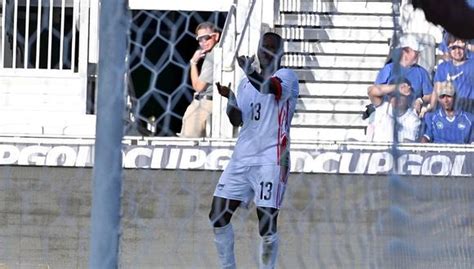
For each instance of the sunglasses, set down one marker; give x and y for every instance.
(456, 47)
(443, 96)
(204, 38)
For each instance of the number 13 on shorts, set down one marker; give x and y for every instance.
(270, 185)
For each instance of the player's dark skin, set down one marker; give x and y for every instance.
(222, 210)
(269, 56)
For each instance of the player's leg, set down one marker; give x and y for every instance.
(267, 227)
(231, 190)
(222, 210)
(220, 216)
(269, 185)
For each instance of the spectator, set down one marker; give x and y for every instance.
(198, 113)
(393, 100)
(460, 71)
(448, 124)
(422, 88)
(443, 47)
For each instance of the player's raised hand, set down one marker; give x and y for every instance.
(245, 62)
(223, 90)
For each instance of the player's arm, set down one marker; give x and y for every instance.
(233, 111)
(424, 139)
(377, 92)
(427, 134)
(433, 102)
(198, 84)
(271, 85)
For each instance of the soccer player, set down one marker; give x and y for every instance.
(263, 106)
(448, 124)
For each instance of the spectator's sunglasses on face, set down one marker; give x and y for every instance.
(204, 38)
(443, 96)
(455, 47)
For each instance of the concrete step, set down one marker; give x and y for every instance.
(341, 47)
(324, 133)
(12, 103)
(335, 34)
(328, 119)
(332, 60)
(320, 89)
(41, 91)
(47, 123)
(338, 20)
(354, 7)
(336, 75)
(333, 104)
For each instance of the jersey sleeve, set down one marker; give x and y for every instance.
(426, 84)
(289, 83)
(428, 127)
(384, 74)
(414, 129)
(440, 74)
(240, 94)
(471, 134)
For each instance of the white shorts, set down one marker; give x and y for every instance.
(265, 184)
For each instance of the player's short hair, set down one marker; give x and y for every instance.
(450, 38)
(400, 81)
(207, 25)
(277, 37)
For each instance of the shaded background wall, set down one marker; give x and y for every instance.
(327, 221)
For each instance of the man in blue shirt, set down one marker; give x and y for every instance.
(459, 69)
(422, 87)
(447, 124)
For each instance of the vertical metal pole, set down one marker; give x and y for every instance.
(75, 17)
(27, 36)
(107, 176)
(50, 32)
(38, 33)
(15, 31)
(4, 41)
(61, 36)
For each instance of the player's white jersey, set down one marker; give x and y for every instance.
(265, 134)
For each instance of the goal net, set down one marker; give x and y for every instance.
(350, 202)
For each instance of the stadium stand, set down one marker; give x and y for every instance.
(337, 49)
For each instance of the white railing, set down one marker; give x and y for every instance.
(43, 44)
(44, 34)
(43, 63)
(245, 22)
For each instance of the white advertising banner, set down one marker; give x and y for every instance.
(314, 158)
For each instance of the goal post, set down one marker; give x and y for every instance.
(107, 176)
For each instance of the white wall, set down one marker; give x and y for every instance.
(191, 5)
